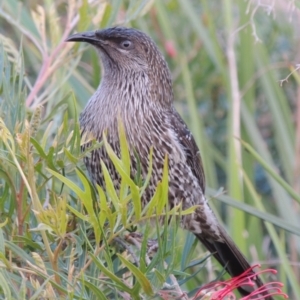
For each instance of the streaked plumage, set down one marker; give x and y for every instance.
(136, 85)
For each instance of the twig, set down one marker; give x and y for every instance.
(289, 75)
(48, 61)
(260, 73)
(55, 59)
(176, 286)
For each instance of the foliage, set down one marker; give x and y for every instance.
(236, 86)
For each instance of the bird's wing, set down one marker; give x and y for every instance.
(186, 139)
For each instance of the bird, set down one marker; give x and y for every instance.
(136, 86)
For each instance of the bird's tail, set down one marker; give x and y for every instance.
(231, 258)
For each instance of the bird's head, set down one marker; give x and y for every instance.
(125, 51)
(121, 47)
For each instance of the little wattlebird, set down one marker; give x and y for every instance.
(136, 86)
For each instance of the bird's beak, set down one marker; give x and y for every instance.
(88, 37)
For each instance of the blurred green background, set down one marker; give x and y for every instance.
(236, 84)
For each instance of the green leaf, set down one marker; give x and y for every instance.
(4, 284)
(164, 188)
(274, 174)
(126, 177)
(73, 186)
(110, 187)
(251, 210)
(84, 17)
(125, 157)
(106, 15)
(98, 293)
(140, 277)
(118, 282)
(279, 246)
(71, 157)
(38, 147)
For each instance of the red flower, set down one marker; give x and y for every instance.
(224, 290)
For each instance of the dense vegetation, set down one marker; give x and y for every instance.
(235, 70)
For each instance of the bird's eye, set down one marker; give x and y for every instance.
(126, 44)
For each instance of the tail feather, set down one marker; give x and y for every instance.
(230, 257)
